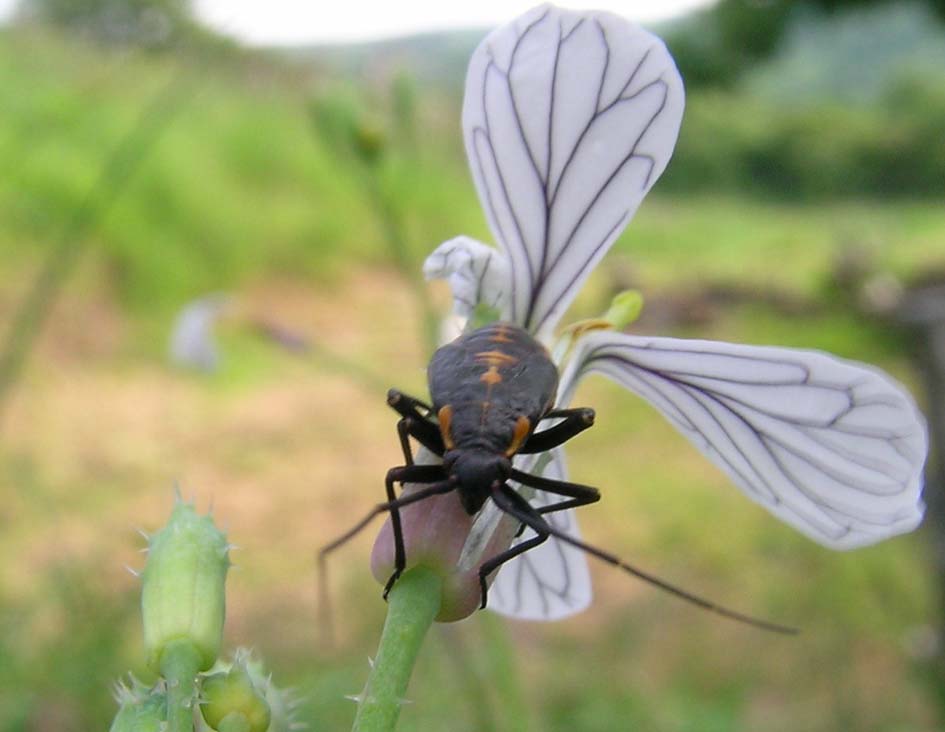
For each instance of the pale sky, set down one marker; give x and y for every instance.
(304, 21)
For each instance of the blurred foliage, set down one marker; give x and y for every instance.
(851, 58)
(146, 23)
(375, 137)
(841, 5)
(715, 47)
(60, 646)
(238, 186)
(893, 148)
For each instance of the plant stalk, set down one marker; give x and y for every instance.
(413, 603)
(180, 664)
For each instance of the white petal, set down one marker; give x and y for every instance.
(551, 581)
(478, 275)
(832, 447)
(569, 119)
(192, 344)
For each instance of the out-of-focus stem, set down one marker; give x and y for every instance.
(116, 171)
(397, 243)
(412, 605)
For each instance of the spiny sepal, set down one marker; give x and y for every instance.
(240, 695)
(140, 708)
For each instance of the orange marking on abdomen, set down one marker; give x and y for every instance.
(522, 428)
(495, 358)
(492, 376)
(445, 416)
(500, 335)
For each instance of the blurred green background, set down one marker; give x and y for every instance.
(146, 162)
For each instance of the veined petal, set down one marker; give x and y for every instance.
(569, 118)
(477, 274)
(832, 447)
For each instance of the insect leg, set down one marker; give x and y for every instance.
(415, 473)
(517, 507)
(498, 560)
(574, 421)
(410, 474)
(403, 432)
(407, 405)
(415, 424)
(580, 495)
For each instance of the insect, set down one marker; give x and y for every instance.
(569, 118)
(490, 390)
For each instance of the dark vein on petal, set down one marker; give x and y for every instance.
(768, 440)
(538, 285)
(480, 134)
(603, 75)
(576, 276)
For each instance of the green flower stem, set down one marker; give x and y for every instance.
(180, 663)
(412, 605)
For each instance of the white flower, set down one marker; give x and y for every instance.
(569, 118)
(192, 344)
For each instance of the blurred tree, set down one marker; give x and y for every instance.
(714, 47)
(830, 5)
(148, 23)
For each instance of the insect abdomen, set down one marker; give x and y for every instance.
(489, 380)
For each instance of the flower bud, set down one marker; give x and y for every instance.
(435, 531)
(369, 142)
(232, 700)
(282, 702)
(182, 597)
(624, 309)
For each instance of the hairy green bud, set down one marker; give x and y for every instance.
(231, 700)
(182, 598)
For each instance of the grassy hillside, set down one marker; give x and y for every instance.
(237, 184)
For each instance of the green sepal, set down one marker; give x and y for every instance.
(140, 709)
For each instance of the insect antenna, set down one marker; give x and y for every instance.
(324, 601)
(517, 507)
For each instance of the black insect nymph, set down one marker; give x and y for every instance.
(490, 388)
